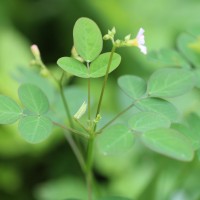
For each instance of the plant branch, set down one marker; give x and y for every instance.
(116, 117)
(105, 80)
(71, 130)
(89, 95)
(89, 163)
(65, 101)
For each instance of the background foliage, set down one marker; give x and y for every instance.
(48, 170)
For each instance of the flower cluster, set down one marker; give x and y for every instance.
(138, 41)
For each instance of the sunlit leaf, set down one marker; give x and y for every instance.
(170, 82)
(159, 105)
(98, 66)
(133, 86)
(10, 112)
(168, 58)
(35, 129)
(169, 142)
(145, 121)
(185, 44)
(87, 39)
(114, 140)
(33, 98)
(73, 66)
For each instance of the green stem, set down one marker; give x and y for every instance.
(71, 130)
(105, 80)
(81, 125)
(117, 116)
(76, 152)
(65, 101)
(89, 96)
(89, 163)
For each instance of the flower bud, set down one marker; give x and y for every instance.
(113, 31)
(106, 37)
(35, 51)
(44, 72)
(127, 38)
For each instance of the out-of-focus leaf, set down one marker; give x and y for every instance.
(159, 105)
(189, 133)
(170, 82)
(168, 58)
(65, 188)
(192, 131)
(10, 112)
(33, 98)
(115, 140)
(12, 43)
(197, 75)
(114, 198)
(87, 39)
(35, 129)
(185, 44)
(133, 86)
(145, 121)
(169, 142)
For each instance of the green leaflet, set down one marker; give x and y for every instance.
(170, 82)
(73, 66)
(169, 142)
(97, 68)
(186, 44)
(135, 87)
(168, 58)
(114, 140)
(87, 39)
(145, 121)
(35, 129)
(159, 105)
(10, 112)
(33, 98)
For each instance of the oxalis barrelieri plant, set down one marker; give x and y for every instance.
(151, 124)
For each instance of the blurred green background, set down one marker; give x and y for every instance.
(49, 171)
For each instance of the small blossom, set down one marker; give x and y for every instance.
(139, 41)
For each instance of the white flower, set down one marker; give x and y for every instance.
(139, 41)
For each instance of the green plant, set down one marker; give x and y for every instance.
(154, 122)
